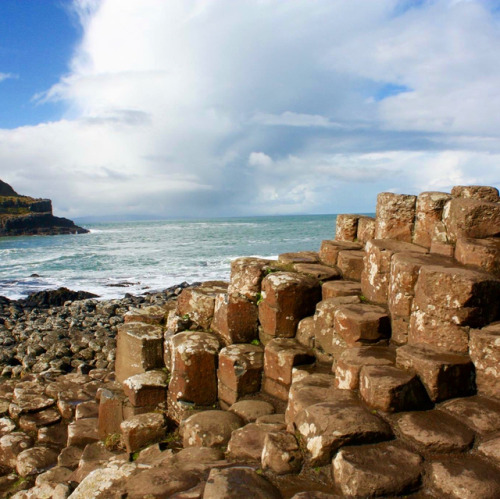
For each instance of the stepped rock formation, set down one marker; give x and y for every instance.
(369, 369)
(26, 216)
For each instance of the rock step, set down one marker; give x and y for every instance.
(329, 250)
(351, 264)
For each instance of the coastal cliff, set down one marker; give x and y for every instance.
(27, 216)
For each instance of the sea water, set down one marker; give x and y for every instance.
(137, 257)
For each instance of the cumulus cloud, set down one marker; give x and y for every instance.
(216, 107)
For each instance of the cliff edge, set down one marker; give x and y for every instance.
(27, 216)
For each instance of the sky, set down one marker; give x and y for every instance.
(200, 108)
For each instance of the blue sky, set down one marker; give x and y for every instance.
(37, 39)
(216, 107)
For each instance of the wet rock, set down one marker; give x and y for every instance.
(375, 470)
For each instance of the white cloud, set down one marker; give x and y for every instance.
(218, 107)
(7, 76)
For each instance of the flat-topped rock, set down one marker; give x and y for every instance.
(327, 426)
(198, 303)
(351, 264)
(445, 375)
(329, 250)
(482, 192)
(250, 410)
(434, 432)
(481, 253)
(395, 216)
(353, 359)
(246, 276)
(490, 448)
(346, 227)
(383, 469)
(149, 388)
(299, 257)
(390, 389)
(33, 421)
(464, 478)
(479, 413)
(209, 428)
(142, 430)
(321, 272)
(82, 432)
(333, 289)
(35, 460)
(154, 314)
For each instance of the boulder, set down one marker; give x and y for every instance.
(142, 430)
(246, 276)
(145, 389)
(334, 289)
(281, 453)
(429, 212)
(481, 192)
(346, 227)
(351, 264)
(395, 216)
(329, 250)
(35, 460)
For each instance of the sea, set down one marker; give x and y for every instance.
(147, 256)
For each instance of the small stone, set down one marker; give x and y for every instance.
(35, 460)
(281, 453)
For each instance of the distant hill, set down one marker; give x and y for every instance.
(26, 216)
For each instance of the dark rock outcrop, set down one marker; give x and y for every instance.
(26, 216)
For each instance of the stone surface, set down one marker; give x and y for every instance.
(429, 211)
(490, 448)
(464, 478)
(281, 355)
(327, 426)
(238, 482)
(82, 432)
(209, 429)
(250, 410)
(246, 443)
(484, 348)
(384, 469)
(444, 375)
(142, 430)
(482, 415)
(110, 413)
(482, 253)
(35, 460)
(33, 421)
(333, 289)
(321, 272)
(281, 453)
(482, 192)
(235, 318)
(329, 250)
(395, 216)
(350, 263)
(149, 388)
(11, 445)
(390, 389)
(139, 348)
(353, 359)
(194, 360)
(154, 314)
(376, 273)
(471, 218)
(199, 302)
(240, 371)
(299, 257)
(286, 299)
(366, 229)
(434, 432)
(246, 276)
(346, 227)
(306, 332)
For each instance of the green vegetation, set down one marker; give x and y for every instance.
(255, 342)
(113, 441)
(260, 298)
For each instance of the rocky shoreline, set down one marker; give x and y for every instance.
(366, 369)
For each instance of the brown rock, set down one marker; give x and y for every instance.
(246, 276)
(464, 478)
(275, 388)
(82, 432)
(490, 448)
(353, 359)
(466, 217)
(376, 273)
(366, 229)
(142, 430)
(69, 457)
(209, 429)
(250, 410)
(281, 453)
(346, 227)
(235, 318)
(35, 460)
(299, 257)
(110, 413)
(321, 272)
(482, 192)
(33, 421)
(306, 332)
(334, 289)
(238, 482)
(329, 250)
(361, 323)
(148, 388)
(194, 363)
(429, 211)
(199, 303)
(287, 298)
(481, 414)
(154, 314)
(87, 410)
(6, 426)
(11, 445)
(395, 216)
(385, 469)
(484, 347)
(350, 264)
(444, 375)
(246, 443)
(482, 253)
(281, 355)
(328, 426)
(139, 348)
(434, 432)
(390, 389)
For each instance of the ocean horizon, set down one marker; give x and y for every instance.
(136, 257)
